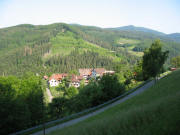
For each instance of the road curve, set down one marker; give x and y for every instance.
(74, 121)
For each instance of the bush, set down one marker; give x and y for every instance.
(19, 100)
(93, 94)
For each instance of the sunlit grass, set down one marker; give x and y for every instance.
(139, 54)
(156, 111)
(64, 43)
(127, 41)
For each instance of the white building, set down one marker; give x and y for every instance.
(55, 79)
(53, 82)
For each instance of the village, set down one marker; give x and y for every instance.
(83, 74)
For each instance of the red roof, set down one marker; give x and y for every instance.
(100, 71)
(85, 71)
(88, 71)
(76, 78)
(58, 77)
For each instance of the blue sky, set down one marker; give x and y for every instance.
(161, 15)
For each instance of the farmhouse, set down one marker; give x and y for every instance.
(88, 73)
(55, 79)
(99, 71)
(75, 80)
(84, 73)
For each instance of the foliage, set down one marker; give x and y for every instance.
(108, 37)
(110, 87)
(153, 60)
(175, 61)
(19, 100)
(77, 60)
(139, 115)
(57, 107)
(34, 48)
(90, 95)
(138, 72)
(71, 92)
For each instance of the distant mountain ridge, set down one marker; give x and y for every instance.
(174, 36)
(134, 28)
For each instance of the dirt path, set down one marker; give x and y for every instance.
(49, 94)
(74, 121)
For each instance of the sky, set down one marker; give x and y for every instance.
(161, 15)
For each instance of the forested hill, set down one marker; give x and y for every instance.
(60, 47)
(129, 37)
(175, 37)
(134, 28)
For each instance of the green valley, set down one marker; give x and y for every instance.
(30, 48)
(95, 67)
(64, 69)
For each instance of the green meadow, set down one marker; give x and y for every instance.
(153, 112)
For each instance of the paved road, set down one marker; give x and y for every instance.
(49, 94)
(74, 121)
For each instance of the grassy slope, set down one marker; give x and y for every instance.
(65, 43)
(127, 41)
(109, 37)
(132, 43)
(156, 111)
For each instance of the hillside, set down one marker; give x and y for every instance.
(36, 48)
(155, 111)
(60, 47)
(134, 28)
(174, 36)
(114, 38)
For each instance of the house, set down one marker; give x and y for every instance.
(55, 79)
(75, 80)
(93, 73)
(85, 72)
(100, 72)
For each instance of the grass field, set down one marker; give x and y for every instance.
(139, 54)
(154, 112)
(127, 41)
(129, 44)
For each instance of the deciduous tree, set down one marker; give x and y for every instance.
(175, 61)
(153, 60)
